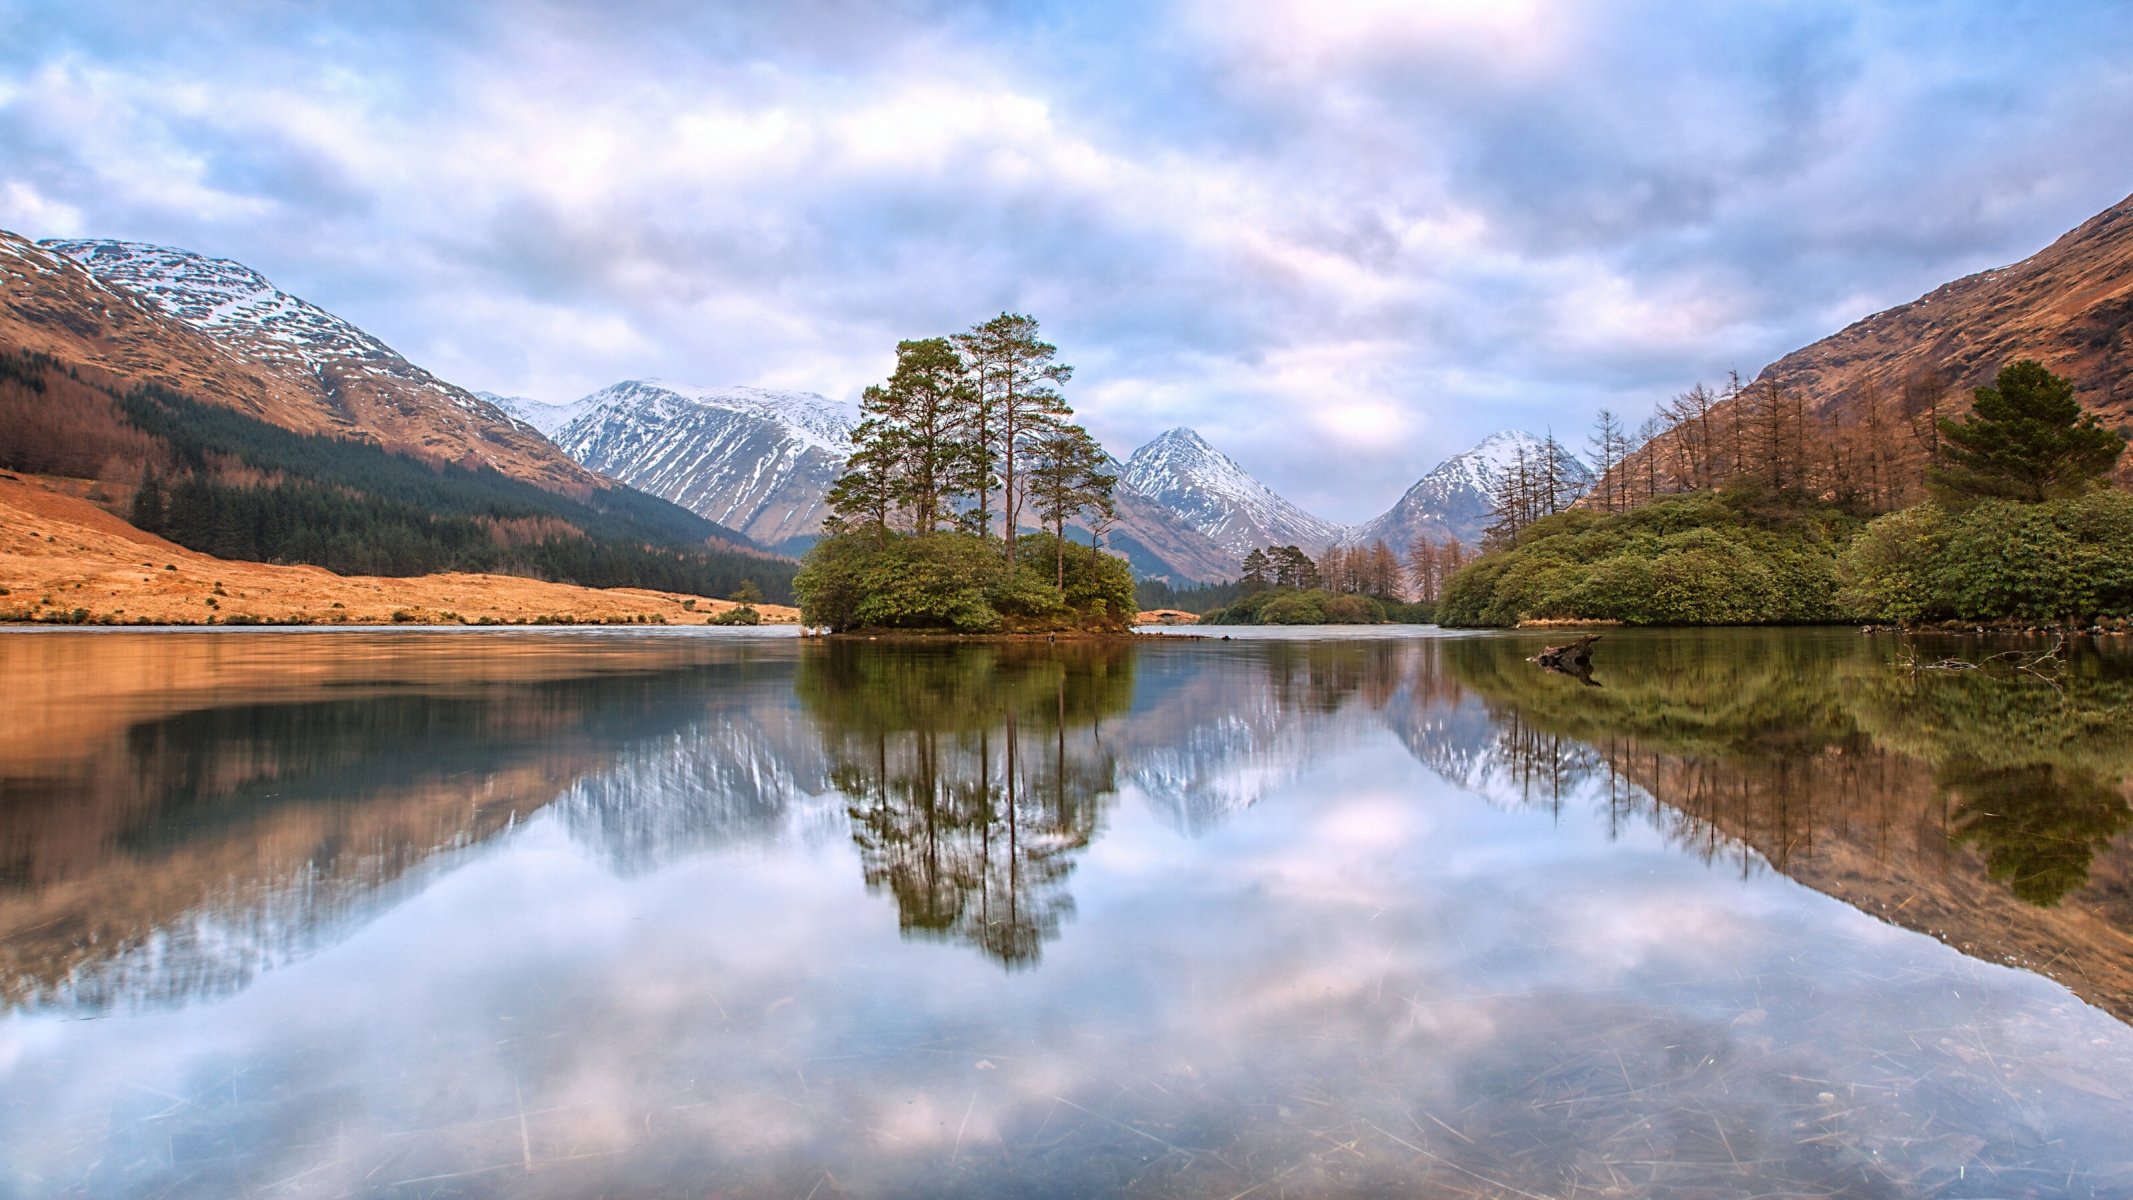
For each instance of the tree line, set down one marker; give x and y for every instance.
(2009, 517)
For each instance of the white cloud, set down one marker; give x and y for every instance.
(1343, 241)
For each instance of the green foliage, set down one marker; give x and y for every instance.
(1737, 557)
(959, 583)
(744, 615)
(1291, 606)
(1192, 598)
(2026, 440)
(1995, 559)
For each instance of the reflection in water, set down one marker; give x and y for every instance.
(1964, 804)
(572, 914)
(975, 774)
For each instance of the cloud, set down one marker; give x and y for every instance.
(1343, 243)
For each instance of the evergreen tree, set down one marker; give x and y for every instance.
(866, 495)
(1065, 479)
(1018, 399)
(2026, 439)
(148, 503)
(929, 408)
(1257, 570)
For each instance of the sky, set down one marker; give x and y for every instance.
(1341, 240)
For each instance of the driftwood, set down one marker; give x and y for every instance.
(1570, 658)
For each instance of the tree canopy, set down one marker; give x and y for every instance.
(2027, 439)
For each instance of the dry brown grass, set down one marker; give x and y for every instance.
(60, 553)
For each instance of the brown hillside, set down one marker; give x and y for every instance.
(59, 553)
(52, 305)
(1852, 415)
(2070, 306)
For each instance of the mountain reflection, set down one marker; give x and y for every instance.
(178, 815)
(973, 775)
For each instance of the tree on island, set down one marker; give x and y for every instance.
(1066, 478)
(910, 542)
(1017, 400)
(2026, 440)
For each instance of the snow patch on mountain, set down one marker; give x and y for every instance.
(241, 307)
(752, 459)
(538, 415)
(1211, 493)
(1453, 500)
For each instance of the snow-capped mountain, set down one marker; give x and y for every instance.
(540, 415)
(354, 384)
(750, 459)
(1211, 493)
(1453, 499)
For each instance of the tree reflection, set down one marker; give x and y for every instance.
(974, 775)
(2038, 826)
(1779, 739)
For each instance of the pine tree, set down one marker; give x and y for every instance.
(1018, 398)
(928, 407)
(1065, 479)
(148, 503)
(1257, 568)
(2026, 439)
(866, 495)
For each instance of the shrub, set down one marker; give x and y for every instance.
(961, 583)
(2064, 558)
(1737, 557)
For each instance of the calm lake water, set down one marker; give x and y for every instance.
(724, 913)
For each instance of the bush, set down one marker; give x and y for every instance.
(1737, 557)
(2061, 559)
(1288, 606)
(960, 583)
(746, 614)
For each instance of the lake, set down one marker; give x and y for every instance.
(1334, 913)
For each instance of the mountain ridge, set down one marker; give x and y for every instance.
(333, 376)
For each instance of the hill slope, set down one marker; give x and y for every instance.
(2069, 306)
(337, 378)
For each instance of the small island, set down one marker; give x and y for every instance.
(969, 434)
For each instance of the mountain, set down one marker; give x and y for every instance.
(239, 422)
(761, 461)
(2069, 306)
(549, 419)
(1211, 493)
(329, 376)
(751, 459)
(1453, 499)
